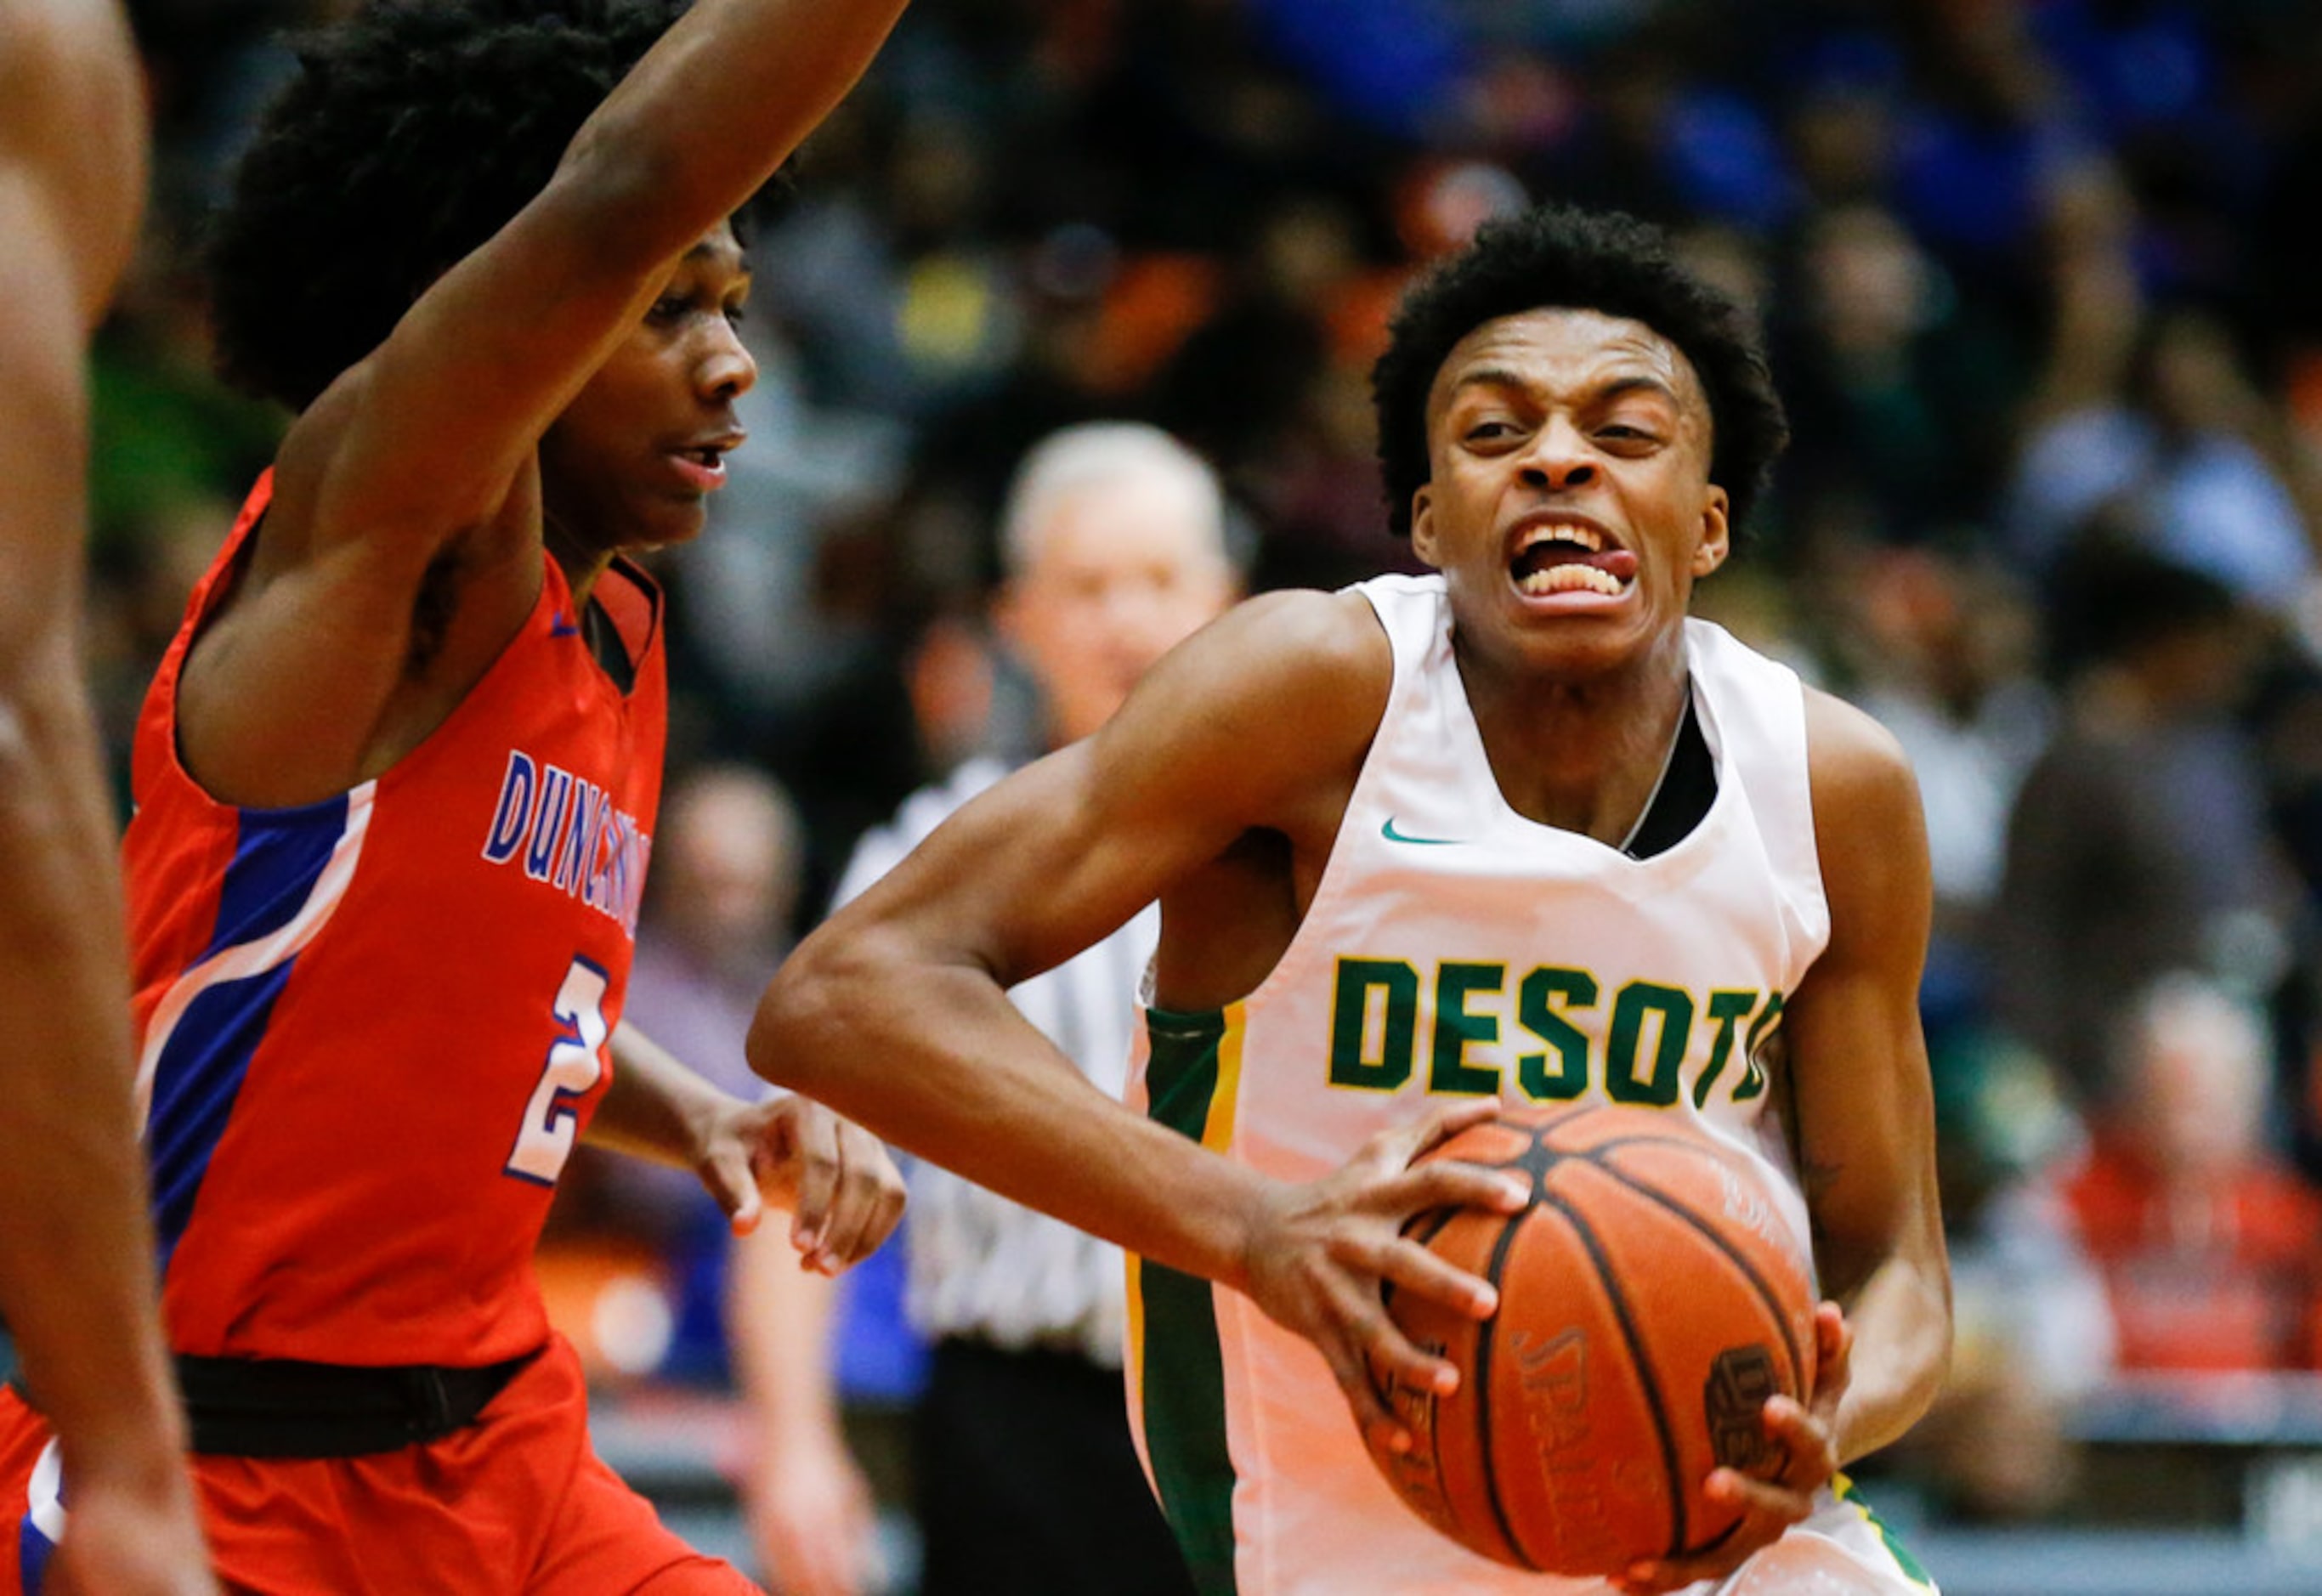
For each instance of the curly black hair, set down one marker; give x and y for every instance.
(411, 133)
(1607, 261)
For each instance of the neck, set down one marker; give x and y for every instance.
(582, 565)
(1581, 756)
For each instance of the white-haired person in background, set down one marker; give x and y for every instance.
(1115, 547)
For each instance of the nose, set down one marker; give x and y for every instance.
(724, 370)
(1559, 458)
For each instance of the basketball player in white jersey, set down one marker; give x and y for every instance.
(1520, 829)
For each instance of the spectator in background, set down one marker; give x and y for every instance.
(1114, 541)
(718, 915)
(2139, 842)
(2210, 1243)
(1896, 387)
(1943, 651)
(2143, 416)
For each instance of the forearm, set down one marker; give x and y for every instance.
(778, 1323)
(656, 1108)
(1901, 1318)
(76, 1272)
(933, 1059)
(716, 105)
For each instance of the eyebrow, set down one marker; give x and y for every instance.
(713, 250)
(1499, 377)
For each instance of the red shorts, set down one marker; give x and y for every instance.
(516, 1504)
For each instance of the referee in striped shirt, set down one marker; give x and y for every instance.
(1115, 546)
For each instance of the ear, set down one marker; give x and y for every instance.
(1422, 525)
(1716, 536)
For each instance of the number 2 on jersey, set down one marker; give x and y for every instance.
(575, 1059)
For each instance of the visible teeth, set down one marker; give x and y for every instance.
(1581, 535)
(1572, 577)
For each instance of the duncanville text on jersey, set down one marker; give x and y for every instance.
(568, 833)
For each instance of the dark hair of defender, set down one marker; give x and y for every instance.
(412, 133)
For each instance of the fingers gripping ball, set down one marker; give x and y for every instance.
(1652, 1298)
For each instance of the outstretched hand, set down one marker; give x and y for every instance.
(843, 1193)
(1800, 1461)
(1320, 1254)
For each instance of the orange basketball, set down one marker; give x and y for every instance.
(1652, 1298)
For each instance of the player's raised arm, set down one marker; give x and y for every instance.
(895, 1012)
(438, 297)
(76, 1285)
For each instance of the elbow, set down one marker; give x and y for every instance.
(784, 1008)
(799, 1035)
(1941, 1340)
(1927, 1371)
(1927, 1361)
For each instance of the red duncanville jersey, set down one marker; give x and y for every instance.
(371, 1028)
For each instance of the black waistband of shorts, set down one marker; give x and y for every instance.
(285, 1408)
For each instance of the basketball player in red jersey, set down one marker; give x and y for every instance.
(397, 779)
(75, 1277)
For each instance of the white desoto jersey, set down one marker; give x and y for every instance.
(1454, 948)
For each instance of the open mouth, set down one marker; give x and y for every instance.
(1566, 557)
(702, 465)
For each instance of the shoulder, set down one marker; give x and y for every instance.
(1251, 722)
(1278, 682)
(1292, 645)
(1854, 762)
(1868, 827)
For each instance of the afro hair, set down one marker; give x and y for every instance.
(411, 134)
(1559, 256)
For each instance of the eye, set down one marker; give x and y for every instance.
(1488, 431)
(737, 314)
(667, 309)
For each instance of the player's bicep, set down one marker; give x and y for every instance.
(1221, 737)
(1043, 864)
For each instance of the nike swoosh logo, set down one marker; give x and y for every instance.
(558, 626)
(1392, 835)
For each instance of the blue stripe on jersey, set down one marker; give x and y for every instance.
(280, 855)
(195, 1087)
(277, 859)
(33, 1553)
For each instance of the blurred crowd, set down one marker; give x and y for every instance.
(2037, 279)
